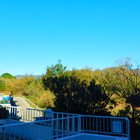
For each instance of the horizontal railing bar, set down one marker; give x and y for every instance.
(70, 113)
(66, 113)
(94, 115)
(101, 132)
(122, 118)
(25, 108)
(40, 121)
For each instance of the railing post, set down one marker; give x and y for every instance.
(79, 124)
(128, 129)
(49, 113)
(9, 112)
(68, 126)
(73, 124)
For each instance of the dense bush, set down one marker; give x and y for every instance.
(75, 96)
(3, 113)
(2, 85)
(46, 100)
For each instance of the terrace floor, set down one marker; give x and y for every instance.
(8, 136)
(8, 121)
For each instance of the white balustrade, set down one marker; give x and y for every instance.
(53, 125)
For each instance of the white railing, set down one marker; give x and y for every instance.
(62, 114)
(105, 125)
(44, 129)
(71, 123)
(30, 114)
(25, 114)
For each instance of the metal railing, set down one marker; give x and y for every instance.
(64, 124)
(105, 125)
(62, 114)
(43, 129)
(30, 114)
(25, 114)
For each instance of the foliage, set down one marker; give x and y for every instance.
(8, 76)
(3, 113)
(123, 81)
(55, 70)
(83, 74)
(125, 112)
(33, 88)
(128, 86)
(9, 85)
(76, 90)
(72, 95)
(115, 90)
(45, 100)
(18, 87)
(2, 85)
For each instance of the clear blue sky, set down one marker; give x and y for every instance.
(35, 34)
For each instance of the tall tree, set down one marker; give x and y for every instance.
(75, 96)
(125, 82)
(56, 69)
(131, 86)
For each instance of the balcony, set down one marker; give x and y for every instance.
(34, 124)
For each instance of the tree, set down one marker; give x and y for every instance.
(83, 74)
(7, 76)
(126, 84)
(33, 87)
(75, 96)
(97, 99)
(132, 88)
(2, 85)
(55, 70)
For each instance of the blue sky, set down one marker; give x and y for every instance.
(35, 34)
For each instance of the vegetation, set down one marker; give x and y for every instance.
(2, 85)
(75, 96)
(8, 76)
(112, 91)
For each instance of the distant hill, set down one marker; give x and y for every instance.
(21, 76)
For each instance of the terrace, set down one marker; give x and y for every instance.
(35, 124)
